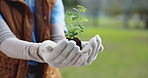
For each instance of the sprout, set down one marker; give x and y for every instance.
(73, 22)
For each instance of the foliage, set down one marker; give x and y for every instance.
(73, 22)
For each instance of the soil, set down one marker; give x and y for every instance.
(78, 42)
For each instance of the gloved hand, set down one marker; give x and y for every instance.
(78, 59)
(90, 51)
(61, 54)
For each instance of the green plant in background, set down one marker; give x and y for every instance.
(73, 22)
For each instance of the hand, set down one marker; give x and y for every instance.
(91, 48)
(59, 55)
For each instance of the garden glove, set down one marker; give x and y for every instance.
(96, 44)
(78, 60)
(61, 55)
(83, 57)
(92, 48)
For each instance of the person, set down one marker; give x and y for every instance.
(32, 41)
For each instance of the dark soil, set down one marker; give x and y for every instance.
(78, 42)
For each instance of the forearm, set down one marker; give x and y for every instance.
(15, 48)
(19, 49)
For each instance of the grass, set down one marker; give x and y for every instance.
(125, 55)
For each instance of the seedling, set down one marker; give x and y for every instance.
(73, 23)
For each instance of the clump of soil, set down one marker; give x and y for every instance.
(78, 42)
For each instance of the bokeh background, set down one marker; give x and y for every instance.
(123, 27)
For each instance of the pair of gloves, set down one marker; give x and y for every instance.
(61, 54)
(66, 53)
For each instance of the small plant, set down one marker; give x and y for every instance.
(73, 24)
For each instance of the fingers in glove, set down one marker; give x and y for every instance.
(84, 43)
(99, 41)
(93, 43)
(98, 38)
(65, 52)
(59, 48)
(101, 48)
(71, 56)
(81, 60)
(76, 57)
(84, 64)
(98, 47)
(87, 49)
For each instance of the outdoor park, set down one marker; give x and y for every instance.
(123, 27)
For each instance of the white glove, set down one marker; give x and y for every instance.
(61, 55)
(91, 48)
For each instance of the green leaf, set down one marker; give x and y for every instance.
(76, 33)
(75, 9)
(68, 14)
(81, 30)
(76, 14)
(82, 10)
(74, 18)
(80, 6)
(82, 27)
(84, 19)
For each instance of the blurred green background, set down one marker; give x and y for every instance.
(123, 29)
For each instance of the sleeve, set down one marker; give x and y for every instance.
(58, 15)
(5, 32)
(15, 48)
